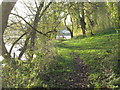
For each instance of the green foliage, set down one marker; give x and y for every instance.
(48, 69)
(31, 72)
(101, 54)
(59, 71)
(53, 63)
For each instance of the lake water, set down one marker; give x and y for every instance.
(17, 52)
(63, 37)
(14, 51)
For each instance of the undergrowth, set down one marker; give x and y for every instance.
(52, 69)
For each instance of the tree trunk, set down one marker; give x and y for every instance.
(5, 53)
(91, 25)
(6, 8)
(82, 20)
(70, 30)
(91, 33)
(83, 26)
(71, 33)
(35, 24)
(83, 32)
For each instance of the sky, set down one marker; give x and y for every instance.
(75, 0)
(0, 1)
(24, 12)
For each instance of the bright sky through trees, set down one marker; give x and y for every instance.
(23, 11)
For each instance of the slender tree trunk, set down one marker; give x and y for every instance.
(35, 24)
(91, 25)
(71, 33)
(70, 30)
(91, 33)
(72, 27)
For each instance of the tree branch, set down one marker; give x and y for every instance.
(24, 47)
(28, 7)
(51, 31)
(29, 24)
(36, 3)
(45, 9)
(16, 42)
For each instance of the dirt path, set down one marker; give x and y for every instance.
(79, 76)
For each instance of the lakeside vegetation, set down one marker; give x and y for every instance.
(89, 59)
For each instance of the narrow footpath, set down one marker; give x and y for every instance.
(79, 76)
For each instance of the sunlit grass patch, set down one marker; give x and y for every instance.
(98, 52)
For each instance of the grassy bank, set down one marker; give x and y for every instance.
(55, 69)
(99, 52)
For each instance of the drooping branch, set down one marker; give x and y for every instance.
(16, 42)
(57, 24)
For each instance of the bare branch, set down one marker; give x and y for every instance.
(45, 9)
(29, 24)
(28, 8)
(36, 3)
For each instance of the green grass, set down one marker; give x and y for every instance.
(99, 52)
